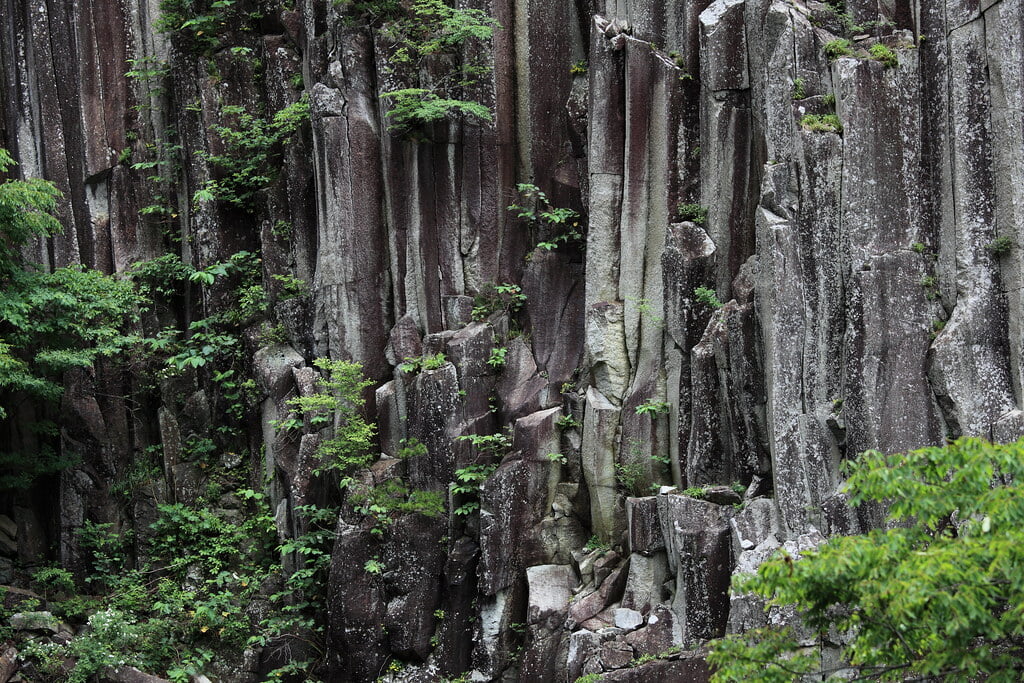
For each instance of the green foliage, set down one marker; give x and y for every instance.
(822, 123)
(708, 297)
(840, 47)
(653, 408)
(282, 230)
(799, 92)
(163, 276)
(568, 422)
(630, 477)
(53, 582)
(49, 322)
(937, 594)
(883, 54)
(558, 458)
(430, 32)
(385, 502)
(338, 404)
(497, 358)
(192, 599)
(251, 151)
(427, 362)
(468, 481)
(555, 226)
(696, 492)
(595, 543)
(418, 106)
(204, 344)
(291, 287)
(578, 68)
(1000, 246)
(148, 69)
(919, 247)
(490, 444)
(695, 213)
(199, 25)
(505, 298)
(300, 605)
(411, 448)
(26, 212)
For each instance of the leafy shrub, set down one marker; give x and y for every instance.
(556, 226)
(50, 322)
(822, 123)
(568, 422)
(883, 54)
(468, 481)
(799, 92)
(431, 32)
(385, 502)
(491, 444)
(652, 407)
(164, 275)
(840, 47)
(338, 403)
(419, 106)
(505, 297)
(428, 362)
(1000, 246)
(497, 358)
(695, 213)
(708, 297)
(935, 593)
(630, 477)
(247, 164)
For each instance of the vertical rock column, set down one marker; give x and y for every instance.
(352, 301)
(887, 398)
(970, 357)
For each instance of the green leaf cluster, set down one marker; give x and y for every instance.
(555, 226)
(468, 481)
(428, 34)
(938, 594)
(251, 147)
(494, 298)
(338, 404)
(50, 322)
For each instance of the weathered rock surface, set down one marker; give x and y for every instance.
(750, 300)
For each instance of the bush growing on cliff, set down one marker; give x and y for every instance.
(840, 47)
(708, 297)
(694, 213)
(248, 162)
(941, 595)
(428, 38)
(50, 322)
(883, 54)
(553, 225)
(339, 404)
(822, 123)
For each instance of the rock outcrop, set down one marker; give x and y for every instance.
(785, 257)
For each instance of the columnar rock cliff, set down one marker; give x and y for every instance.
(760, 292)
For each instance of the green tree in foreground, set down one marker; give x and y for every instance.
(50, 322)
(941, 596)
